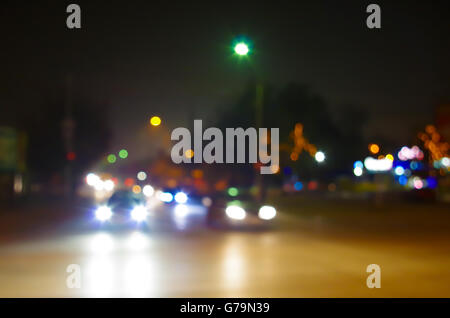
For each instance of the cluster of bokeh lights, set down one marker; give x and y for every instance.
(406, 169)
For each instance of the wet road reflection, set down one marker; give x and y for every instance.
(183, 258)
(119, 263)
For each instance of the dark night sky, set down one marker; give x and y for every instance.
(173, 58)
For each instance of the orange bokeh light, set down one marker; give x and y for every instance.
(189, 153)
(136, 189)
(374, 148)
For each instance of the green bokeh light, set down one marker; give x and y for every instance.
(235, 203)
(123, 154)
(111, 158)
(233, 191)
(241, 48)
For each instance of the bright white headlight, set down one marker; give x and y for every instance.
(139, 213)
(235, 212)
(103, 213)
(166, 197)
(267, 212)
(181, 197)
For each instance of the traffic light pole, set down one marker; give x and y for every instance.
(259, 104)
(68, 127)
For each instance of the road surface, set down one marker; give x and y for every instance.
(301, 257)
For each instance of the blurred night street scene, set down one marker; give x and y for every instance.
(358, 130)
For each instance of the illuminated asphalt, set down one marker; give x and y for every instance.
(183, 258)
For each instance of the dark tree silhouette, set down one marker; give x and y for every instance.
(46, 152)
(341, 138)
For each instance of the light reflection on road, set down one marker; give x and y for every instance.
(98, 276)
(233, 265)
(120, 263)
(197, 262)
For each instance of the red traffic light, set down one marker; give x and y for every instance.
(71, 156)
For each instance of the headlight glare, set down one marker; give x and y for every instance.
(181, 197)
(267, 212)
(166, 197)
(103, 213)
(235, 212)
(139, 213)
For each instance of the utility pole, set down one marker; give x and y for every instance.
(68, 129)
(259, 104)
(242, 50)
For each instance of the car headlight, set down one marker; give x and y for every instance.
(181, 197)
(267, 212)
(166, 197)
(103, 213)
(139, 213)
(235, 212)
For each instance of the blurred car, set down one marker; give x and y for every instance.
(241, 212)
(167, 195)
(123, 208)
(176, 196)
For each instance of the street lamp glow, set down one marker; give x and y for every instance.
(241, 49)
(319, 156)
(141, 175)
(155, 121)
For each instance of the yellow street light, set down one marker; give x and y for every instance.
(155, 121)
